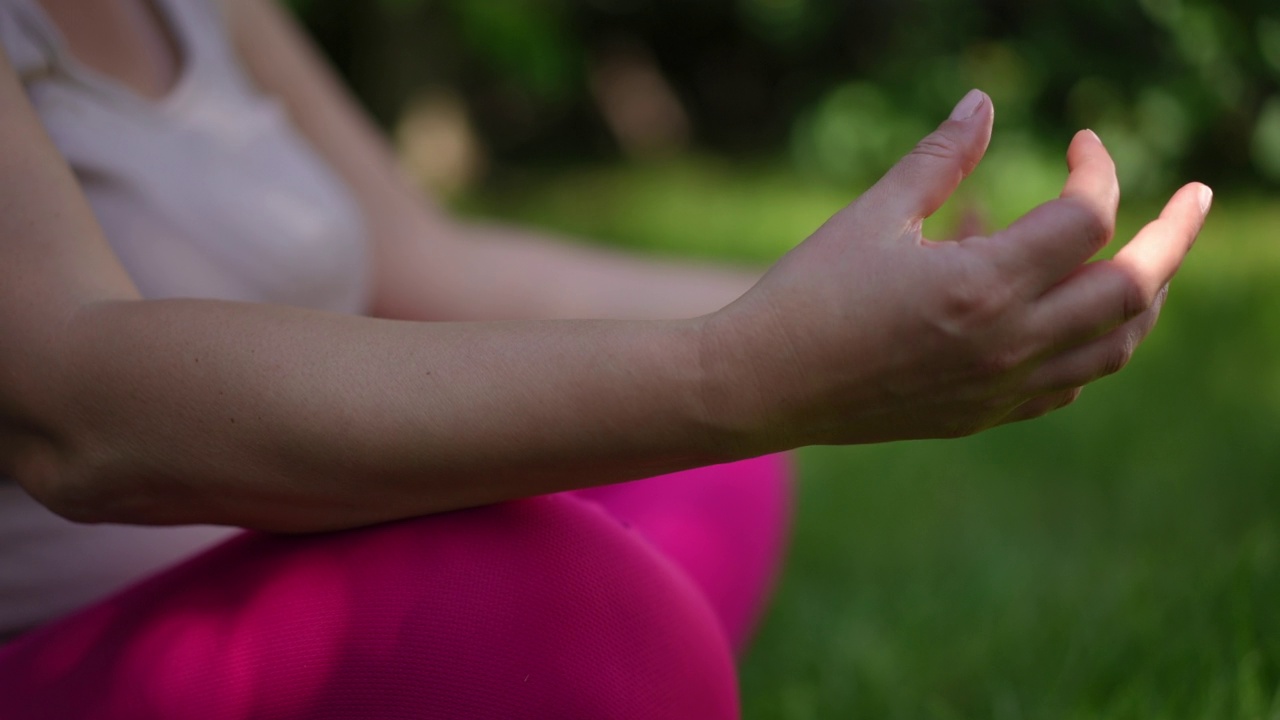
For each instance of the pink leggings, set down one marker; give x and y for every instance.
(618, 602)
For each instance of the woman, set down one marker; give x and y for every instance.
(244, 195)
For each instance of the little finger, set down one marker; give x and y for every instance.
(1042, 405)
(1096, 359)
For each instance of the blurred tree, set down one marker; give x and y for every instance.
(1178, 88)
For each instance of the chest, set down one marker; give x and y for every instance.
(134, 42)
(208, 191)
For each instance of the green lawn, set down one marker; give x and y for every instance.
(1119, 559)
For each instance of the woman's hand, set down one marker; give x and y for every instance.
(868, 332)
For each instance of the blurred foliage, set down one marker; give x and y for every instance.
(1177, 88)
(1120, 559)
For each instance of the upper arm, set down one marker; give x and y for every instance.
(54, 260)
(410, 236)
(53, 256)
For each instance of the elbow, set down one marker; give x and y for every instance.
(41, 475)
(52, 479)
(86, 492)
(68, 507)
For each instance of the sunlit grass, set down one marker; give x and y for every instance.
(1120, 559)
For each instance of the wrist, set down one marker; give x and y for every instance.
(737, 393)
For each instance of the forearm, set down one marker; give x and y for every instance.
(496, 272)
(292, 420)
(432, 267)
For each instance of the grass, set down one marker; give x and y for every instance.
(1119, 559)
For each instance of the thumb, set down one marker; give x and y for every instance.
(923, 180)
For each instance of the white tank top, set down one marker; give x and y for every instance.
(209, 192)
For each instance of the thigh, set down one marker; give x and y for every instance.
(725, 526)
(545, 608)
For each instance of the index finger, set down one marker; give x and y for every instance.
(1045, 245)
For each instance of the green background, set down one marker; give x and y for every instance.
(1119, 559)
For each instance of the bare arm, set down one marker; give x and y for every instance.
(505, 272)
(116, 409)
(430, 266)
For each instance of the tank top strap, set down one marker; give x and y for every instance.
(216, 91)
(31, 51)
(199, 27)
(204, 22)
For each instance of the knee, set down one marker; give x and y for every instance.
(545, 608)
(541, 608)
(602, 624)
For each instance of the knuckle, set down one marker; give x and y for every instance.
(962, 304)
(974, 300)
(1069, 397)
(999, 362)
(1117, 358)
(973, 319)
(938, 145)
(1096, 225)
(1135, 297)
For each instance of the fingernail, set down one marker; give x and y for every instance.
(968, 105)
(1206, 198)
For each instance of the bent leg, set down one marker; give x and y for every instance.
(725, 526)
(544, 608)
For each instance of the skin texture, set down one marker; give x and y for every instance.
(873, 333)
(160, 412)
